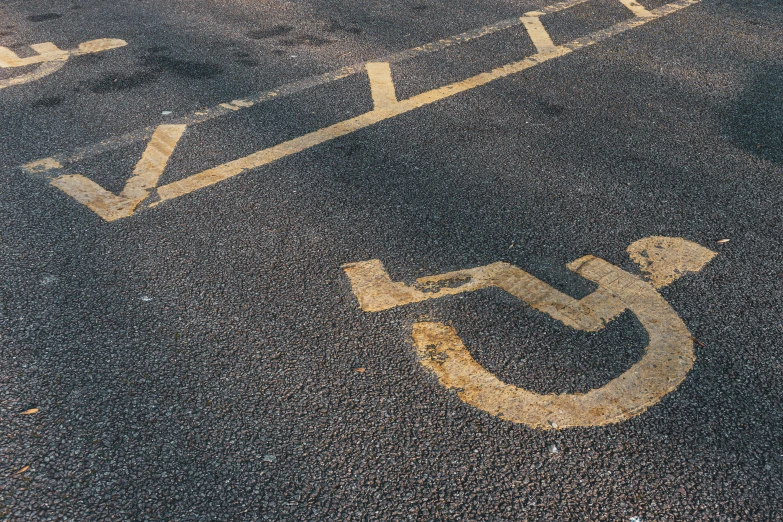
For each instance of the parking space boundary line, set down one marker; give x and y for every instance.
(59, 161)
(262, 157)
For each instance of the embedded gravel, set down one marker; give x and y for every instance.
(206, 359)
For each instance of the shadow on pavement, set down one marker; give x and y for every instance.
(755, 120)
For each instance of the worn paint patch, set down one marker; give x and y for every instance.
(42, 165)
(663, 260)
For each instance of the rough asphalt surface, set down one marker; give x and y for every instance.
(206, 359)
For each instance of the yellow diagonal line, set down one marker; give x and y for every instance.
(153, 161)
(266, 156)
(110, 206)
(381, 85)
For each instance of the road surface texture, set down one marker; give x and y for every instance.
(214, 215)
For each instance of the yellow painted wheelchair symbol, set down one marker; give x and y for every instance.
(667, 360)
(49, 58)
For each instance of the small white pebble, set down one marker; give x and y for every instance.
(166, 113)
(146, 298)
(553, 449)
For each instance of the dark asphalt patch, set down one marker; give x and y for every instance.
(305, 39)
(278, 30)
(44, 17)
(122, 81)
(184, 68)
(337, 26)
(51, 101)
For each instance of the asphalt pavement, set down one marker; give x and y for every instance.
(188, 190)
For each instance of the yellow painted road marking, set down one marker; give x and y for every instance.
(45, 52)
(663, 260)
(223, 109)
(387, 107)
(145, 177)
(539, 36)
(667, 359)
(48, 52)
(51, 58)
(636, 8)
(41, 71)
(381, 85)
(153, 161)
(263, 157)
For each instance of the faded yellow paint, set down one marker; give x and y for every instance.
(381, 85)
(107, 205)
(636, 8)
(386, 107)
(153, 161)
(45, 69)
(203, 115)
(375, 291)
(48, 52)
(45, 52)
(263, 157)
(663, 260)
(539, 36)
(145, 177)
(43, 165)
(51, 58)
(667, 359)
(99, 45)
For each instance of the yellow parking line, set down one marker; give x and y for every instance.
(110, 206)
(538, 34)
(266, 156)
(145, 177)
(223, 109)
(51, 59)
(381, 85)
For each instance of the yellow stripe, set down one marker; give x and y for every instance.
(381, 85)
(223, 109)
(539, 36)
(264, 157)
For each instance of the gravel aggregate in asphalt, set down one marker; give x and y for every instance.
(206, 359)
